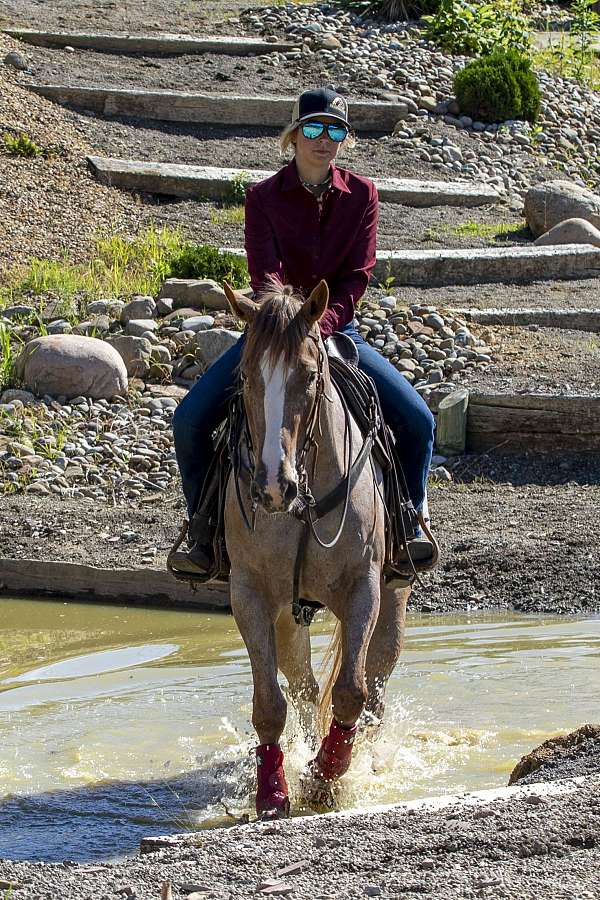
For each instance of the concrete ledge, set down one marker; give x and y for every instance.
(230, 45)
(505, 265)
(542, 789)
(575, 319)
(211, 109)
(144, 586)
(524, 422)
(215, 183)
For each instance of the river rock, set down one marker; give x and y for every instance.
(71, 365)
(210, 345)
(16, 60)
(135, 353)
(571, 231)
(194, 293)
(138, 308)
(12, 394)
(555, 201)
(139, 327)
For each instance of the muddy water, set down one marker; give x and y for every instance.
(117, 723)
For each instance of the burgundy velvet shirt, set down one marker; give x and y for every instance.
(288, 235)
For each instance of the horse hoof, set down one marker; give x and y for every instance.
(277, 806)
(320, 796)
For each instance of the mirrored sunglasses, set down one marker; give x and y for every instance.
(314, 130)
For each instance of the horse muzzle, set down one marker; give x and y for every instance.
(277, 498)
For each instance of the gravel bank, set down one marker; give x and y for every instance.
(49, 205)
(525, 849)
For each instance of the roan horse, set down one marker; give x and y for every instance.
(287, 392)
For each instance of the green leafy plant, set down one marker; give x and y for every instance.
(7, 359)
(202, 261)
(21, 145)
(497, 87)
(466, 26)
(584, 26)
(238, 184)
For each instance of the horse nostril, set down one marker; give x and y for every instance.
(290, 493)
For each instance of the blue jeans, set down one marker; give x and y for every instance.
(201, 411)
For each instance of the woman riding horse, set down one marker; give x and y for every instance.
(311, 221)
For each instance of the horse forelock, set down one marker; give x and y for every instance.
(278, 331)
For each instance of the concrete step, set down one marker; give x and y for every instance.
(229, 45)
(573, 319)
(507, 265)
(210, 109)
(215, 183)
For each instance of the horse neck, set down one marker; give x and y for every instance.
(331, 462)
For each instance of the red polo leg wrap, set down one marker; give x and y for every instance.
(272, 791)
(333, 759)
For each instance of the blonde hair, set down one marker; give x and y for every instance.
(286, 139)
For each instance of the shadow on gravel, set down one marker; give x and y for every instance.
(108, 820)
(540, 468)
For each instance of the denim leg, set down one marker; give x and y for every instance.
(197, 416)
(404, 411)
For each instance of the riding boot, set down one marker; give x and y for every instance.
(199, 558)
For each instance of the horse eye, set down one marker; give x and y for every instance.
(312, 378)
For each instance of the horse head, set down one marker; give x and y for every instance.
(283, 372)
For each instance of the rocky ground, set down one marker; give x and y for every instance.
(538, 846)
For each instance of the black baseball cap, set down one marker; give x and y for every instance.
(320, 102)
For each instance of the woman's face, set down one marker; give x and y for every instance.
(316, 152)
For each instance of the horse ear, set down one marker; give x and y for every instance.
(242, 307)
(315, 306)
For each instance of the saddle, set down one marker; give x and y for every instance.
(360, 400)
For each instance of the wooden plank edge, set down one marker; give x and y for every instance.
(143, 586)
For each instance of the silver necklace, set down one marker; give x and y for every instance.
(309, 185)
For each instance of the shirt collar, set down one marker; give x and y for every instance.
(291, 179)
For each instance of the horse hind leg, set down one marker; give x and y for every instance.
(294, 661)
(269, 708)
(385, 646)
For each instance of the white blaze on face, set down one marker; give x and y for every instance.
(273, 453)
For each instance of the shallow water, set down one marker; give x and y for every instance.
(117, 723)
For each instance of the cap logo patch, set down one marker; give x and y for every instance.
(338, 103)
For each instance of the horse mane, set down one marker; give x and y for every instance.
(277, 330)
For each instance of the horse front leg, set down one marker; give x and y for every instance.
(358, 616)
(269, 709)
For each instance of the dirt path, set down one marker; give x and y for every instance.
(516, 533)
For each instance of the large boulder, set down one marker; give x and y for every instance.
(135, 353)
(555, 201)
(194, 293)
(564, 756)
(210, 345)
(71, 366)
(571, 231)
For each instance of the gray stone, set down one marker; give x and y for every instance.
(194, 293)
(60, 326)
(140, 308)
(12, 394)
(571, 231)
(198, 323)
(164, 306)
(18, 311)
(71, 365)
(16, 60)
(135, 353)
(555, 201)
(137, 327)
(212, 344)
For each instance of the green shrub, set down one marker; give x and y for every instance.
(21, 145)
(236, 192)
(466, 26)
(201, 261)
(497, 87)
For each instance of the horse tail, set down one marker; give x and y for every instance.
(329, 671)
